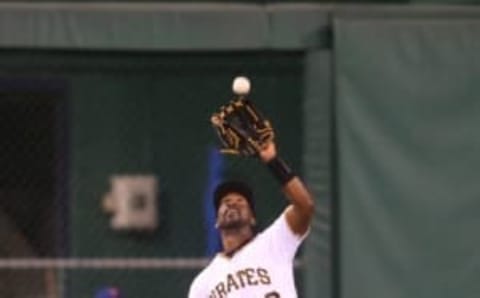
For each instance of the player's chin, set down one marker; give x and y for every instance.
(232, 224)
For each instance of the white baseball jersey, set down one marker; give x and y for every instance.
(263, 268)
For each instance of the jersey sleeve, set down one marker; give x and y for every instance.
(281, 240)
(195, 290)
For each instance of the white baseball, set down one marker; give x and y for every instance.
(241, 85)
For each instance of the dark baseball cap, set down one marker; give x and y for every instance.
(233, 186)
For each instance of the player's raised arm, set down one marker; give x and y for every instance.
(300, 211)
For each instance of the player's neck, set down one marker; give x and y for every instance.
(233, 240)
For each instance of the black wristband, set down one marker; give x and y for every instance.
(280, 170)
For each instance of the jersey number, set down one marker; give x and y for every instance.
(272, 295)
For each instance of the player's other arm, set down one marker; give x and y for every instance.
(299, 213)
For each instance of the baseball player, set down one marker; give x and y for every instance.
(256, 265)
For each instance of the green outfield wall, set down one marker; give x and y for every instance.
(407, 116)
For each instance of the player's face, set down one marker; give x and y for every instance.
(234, 212)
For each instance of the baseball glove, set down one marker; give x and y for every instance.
(241, 128)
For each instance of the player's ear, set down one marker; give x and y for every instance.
(253, 221)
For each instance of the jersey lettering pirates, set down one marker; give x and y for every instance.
(263, 268)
